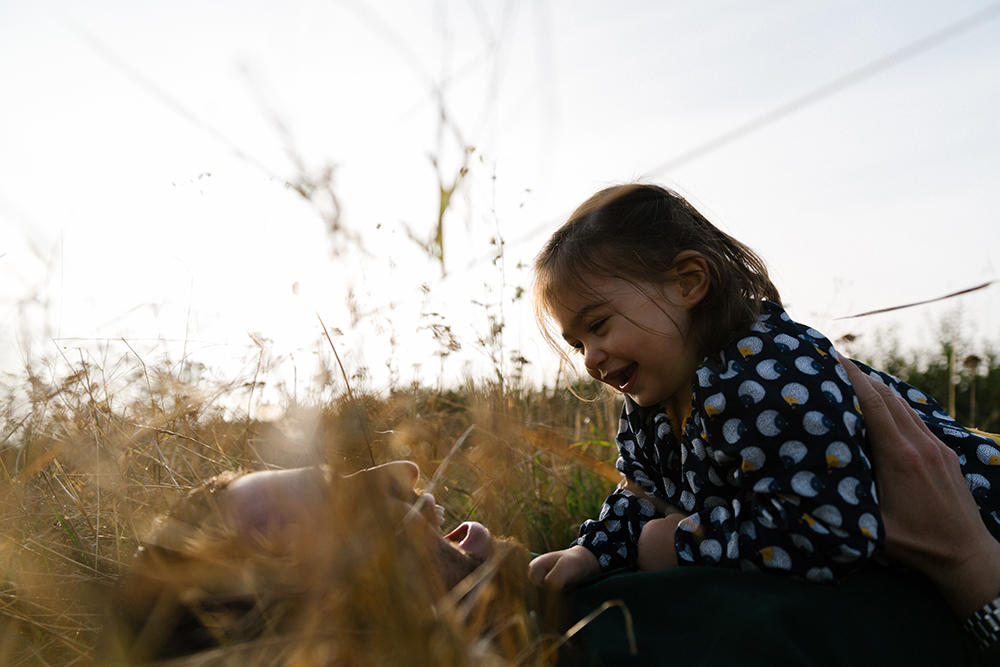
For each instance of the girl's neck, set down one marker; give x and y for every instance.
(678, 415)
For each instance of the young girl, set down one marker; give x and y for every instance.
(740, 442)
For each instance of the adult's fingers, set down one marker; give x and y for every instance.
(859, 381)
(890, 421)
(879, 418)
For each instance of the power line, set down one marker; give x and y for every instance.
(918, 303)
(166, 99)
(814, 96)
(829, 89)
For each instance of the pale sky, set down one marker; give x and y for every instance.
(144, 152)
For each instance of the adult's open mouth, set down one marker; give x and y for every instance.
(472, 538)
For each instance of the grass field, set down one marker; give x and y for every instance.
(91, 456)
(93, 451)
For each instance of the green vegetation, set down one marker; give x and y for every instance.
(953, 364)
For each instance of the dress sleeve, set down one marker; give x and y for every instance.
(613, 538)
(790, 438)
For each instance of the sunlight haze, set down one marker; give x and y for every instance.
(150, 155)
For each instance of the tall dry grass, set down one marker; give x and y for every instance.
(90, 456)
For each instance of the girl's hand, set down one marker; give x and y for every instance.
(558, 569)
(656, 544)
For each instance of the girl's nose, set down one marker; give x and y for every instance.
(593, 357)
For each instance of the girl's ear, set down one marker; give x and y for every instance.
(692, 276)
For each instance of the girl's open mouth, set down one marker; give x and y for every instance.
(622, 379)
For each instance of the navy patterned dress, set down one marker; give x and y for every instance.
(770, 464)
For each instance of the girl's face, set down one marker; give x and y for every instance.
(633, 336)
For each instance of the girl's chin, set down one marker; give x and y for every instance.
(644, 400)
(640, 402)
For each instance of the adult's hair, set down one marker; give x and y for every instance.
(635, 232)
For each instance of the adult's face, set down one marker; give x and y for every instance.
(293, 538)
(291, 506)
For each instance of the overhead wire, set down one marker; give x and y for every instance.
(166, 99)
(808, 99)
(770, 117)
(831, 88)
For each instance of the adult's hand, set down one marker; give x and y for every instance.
(932, 523)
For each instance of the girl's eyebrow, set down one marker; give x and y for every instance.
(581, 315)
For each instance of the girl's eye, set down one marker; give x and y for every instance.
(596, 326)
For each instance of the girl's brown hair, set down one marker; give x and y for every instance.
(635, 232)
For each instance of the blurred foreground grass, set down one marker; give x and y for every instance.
(89, 462)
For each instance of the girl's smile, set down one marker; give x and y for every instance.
(633, 337)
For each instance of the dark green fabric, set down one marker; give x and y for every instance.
(701, 616)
